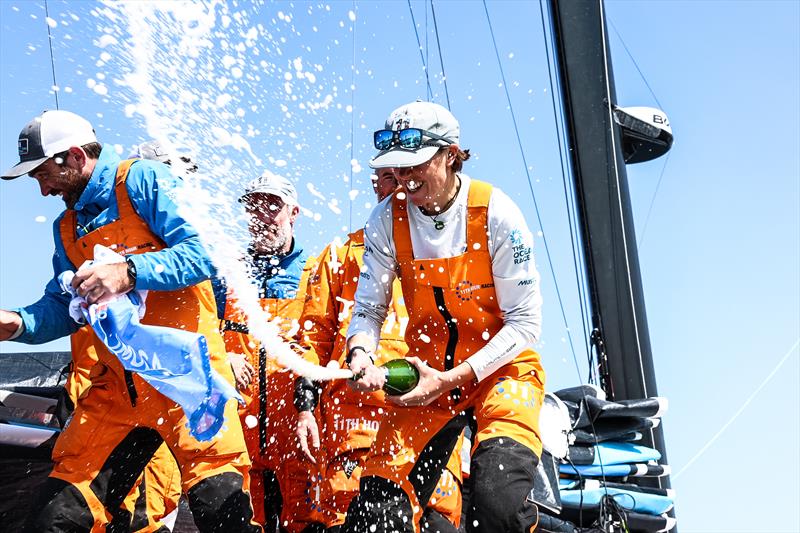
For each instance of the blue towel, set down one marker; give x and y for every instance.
(175, 362)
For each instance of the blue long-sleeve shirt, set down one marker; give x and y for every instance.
(276, 276)
(182, 263)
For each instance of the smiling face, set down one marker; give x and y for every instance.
(270, 221)
(66, 179)
(384, 182)
(431, 185)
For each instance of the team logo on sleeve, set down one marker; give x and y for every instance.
(522, 252)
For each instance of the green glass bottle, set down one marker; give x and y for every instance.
(401, 377)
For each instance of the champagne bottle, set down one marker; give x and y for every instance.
(401, 377)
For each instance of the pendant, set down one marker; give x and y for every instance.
(438, 224)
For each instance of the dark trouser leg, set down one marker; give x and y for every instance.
(59, 508)
(501, 478)
(220, 505)
(273, 502)
(434, 522)
(380, 507)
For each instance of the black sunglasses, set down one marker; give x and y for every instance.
(409, 138)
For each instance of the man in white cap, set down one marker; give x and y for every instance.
(463, 253)
(281, 477)
(121, 420)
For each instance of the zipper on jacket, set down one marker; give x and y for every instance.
(452, 337)
(262, 399)
(131, 387)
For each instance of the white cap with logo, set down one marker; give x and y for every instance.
(269, 183)
(426, 116)
(49, 134)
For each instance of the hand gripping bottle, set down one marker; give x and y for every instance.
(401, 377)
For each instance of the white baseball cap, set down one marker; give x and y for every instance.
(49, 134)
(151, 150)
(426, 116)
(269, 183)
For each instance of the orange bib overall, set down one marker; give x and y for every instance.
(121, 420)
(453, 312)
(349, 418)
(268, 416)
(157, 491)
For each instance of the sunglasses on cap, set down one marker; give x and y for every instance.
(409, 138)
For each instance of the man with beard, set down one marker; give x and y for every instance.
(281, 477)
(122, 420)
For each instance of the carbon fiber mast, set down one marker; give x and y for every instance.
(601, 140)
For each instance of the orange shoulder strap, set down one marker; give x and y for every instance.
(477, 214)
(124, 207)
(400, 230)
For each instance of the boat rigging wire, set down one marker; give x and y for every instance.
(52, 60)
(615, 143)
(739, 411)
(569, 195)
(533, 195)
(653, 201)
(421, 54)
(352, 122)
(653, 94)
(441, 59)
(635, 64)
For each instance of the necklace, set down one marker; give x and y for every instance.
(439, 224)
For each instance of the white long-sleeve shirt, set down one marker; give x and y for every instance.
(516, 279)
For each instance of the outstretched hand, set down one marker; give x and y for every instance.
(307, 427)
(243, 371)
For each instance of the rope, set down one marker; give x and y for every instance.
(533, 195)
(52, 60)
(421, 55)
(441, 59)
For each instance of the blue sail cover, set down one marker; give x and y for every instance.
(639, 502)
(612, 453)
(175, 362)
(636, 470)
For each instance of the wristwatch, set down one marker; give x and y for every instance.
(351, 352)
(131, 271)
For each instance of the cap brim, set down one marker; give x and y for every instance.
(21, 168)
(401, 158)
(286, 199)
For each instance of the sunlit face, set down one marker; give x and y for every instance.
(270, 221)
(60, 180)
(428, 185)
(384, 182)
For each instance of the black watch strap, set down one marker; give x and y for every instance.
(131, 271)
(351, 352)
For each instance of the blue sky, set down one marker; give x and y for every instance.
(719, 243)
